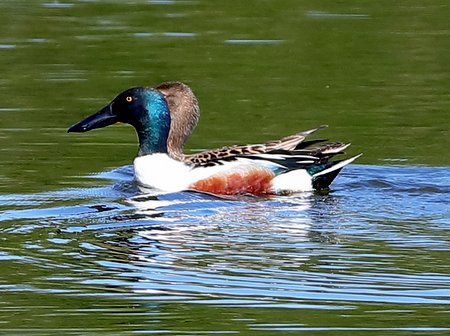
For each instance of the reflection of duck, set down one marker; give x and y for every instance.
(165, 117)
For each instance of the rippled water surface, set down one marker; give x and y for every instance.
(82, 252)
(370, 256)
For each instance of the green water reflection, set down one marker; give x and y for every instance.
(376, 72)
(74, 262)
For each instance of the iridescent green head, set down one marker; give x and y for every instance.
(143, 108)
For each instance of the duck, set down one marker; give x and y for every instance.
(164, 118)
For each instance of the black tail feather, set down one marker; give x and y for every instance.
(323, 181)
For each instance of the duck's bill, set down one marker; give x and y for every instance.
(102, 118)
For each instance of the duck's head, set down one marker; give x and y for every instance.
(144, 108)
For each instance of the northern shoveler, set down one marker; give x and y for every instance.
(165, 116)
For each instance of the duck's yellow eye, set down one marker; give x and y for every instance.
(129, 99)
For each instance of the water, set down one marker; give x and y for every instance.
(370, 256)
(83, 252)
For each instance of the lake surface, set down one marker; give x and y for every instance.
(84, 253)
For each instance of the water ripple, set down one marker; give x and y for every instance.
(377, 239)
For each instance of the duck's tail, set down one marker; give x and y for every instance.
(322, 178)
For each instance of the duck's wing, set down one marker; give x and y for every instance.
(292, 145)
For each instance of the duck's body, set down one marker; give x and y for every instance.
(164, 118)
(253, 174)
(231, 178)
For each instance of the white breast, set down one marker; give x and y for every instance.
(161, 172)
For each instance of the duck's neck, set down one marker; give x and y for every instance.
(150, 144)
(154, 126)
